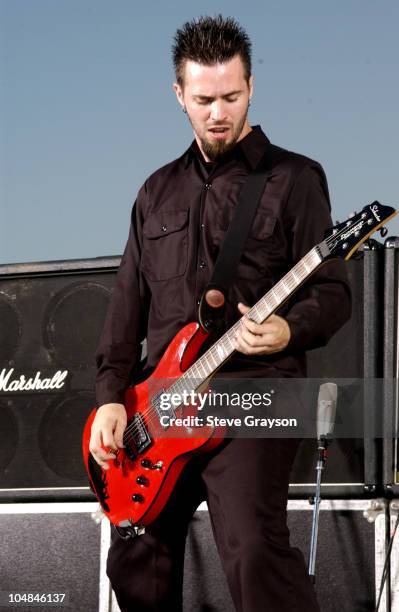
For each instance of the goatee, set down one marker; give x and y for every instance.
(217, 149)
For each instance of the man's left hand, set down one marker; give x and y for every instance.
(269, 337)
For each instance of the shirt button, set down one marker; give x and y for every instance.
(202, 264)
(164, 228)
(202, 226)
(208, 186)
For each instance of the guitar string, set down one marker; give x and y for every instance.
(151, 413)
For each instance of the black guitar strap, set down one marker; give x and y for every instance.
(213, 300)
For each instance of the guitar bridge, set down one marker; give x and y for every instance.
(136, 437)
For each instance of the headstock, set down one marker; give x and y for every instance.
(345, 238)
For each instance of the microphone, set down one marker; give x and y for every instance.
(326, 409)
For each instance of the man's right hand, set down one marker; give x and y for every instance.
(107, 432)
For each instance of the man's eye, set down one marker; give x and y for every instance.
(234, 99)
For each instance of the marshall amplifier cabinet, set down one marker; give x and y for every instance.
(51, 317)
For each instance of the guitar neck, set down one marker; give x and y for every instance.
(204, 368)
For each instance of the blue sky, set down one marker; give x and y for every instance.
(87, 110)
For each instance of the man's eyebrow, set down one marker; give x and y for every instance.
(201, 97)
(232, 93)
(227, 95)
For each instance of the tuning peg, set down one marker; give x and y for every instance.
(352, 214)
(337, 222)
(383, 232)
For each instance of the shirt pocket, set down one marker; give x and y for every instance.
(257, 255)
(165, 245)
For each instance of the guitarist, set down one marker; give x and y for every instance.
(177, 224)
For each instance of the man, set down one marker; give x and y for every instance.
(178, 223)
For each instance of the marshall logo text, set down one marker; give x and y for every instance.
(34, 383)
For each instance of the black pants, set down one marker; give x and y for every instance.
(245, 483)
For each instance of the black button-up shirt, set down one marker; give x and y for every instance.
(178, 222)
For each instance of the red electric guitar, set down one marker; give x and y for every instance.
(139, 481)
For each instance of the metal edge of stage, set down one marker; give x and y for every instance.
(353, 490)
(47, 495)
(40, 507)
(297, 492)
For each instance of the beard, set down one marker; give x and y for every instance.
(214, 150)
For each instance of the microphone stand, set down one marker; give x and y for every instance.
(323, 443)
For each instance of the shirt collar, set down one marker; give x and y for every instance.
(252, 147)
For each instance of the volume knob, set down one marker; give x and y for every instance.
(142, 480)
(137, 497)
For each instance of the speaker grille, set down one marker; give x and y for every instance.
(73, 322)
(60, 435)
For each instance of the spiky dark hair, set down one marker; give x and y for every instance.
(210, 40)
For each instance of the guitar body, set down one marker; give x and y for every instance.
(139, 481)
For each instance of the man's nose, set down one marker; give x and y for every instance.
(218, 110)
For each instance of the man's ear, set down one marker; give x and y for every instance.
(251, 86)
(179, 94)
